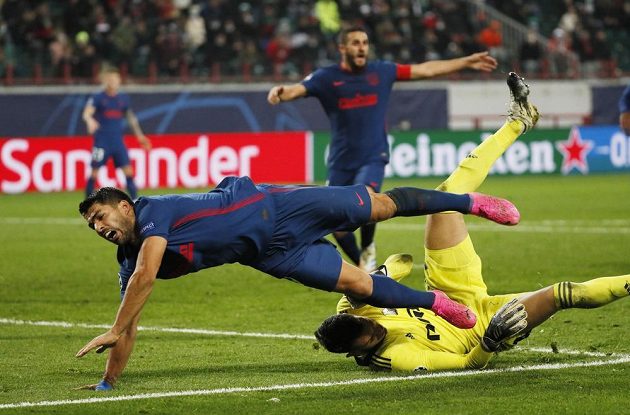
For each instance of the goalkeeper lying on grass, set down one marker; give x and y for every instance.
(417, 339)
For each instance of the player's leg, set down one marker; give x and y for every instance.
(303, 263)
(542, 304)
(99, 158)
(345, 240)
(121, 160)
(448, 230)
(522, 117)
(372, 176)
(411, 201)
(451, 263)
(381, 291)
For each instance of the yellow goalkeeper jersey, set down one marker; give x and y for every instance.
(417, 339)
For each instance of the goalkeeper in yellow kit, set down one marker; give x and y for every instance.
(417, 339)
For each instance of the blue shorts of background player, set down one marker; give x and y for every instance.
(371, 175)
(119, 154)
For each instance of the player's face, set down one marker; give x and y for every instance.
(371, 335)
(354, 52)
(111, 81)
(115, 223)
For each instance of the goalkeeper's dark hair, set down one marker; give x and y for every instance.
(338, 333)
(104, 196)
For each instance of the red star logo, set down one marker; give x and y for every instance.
(574, 152)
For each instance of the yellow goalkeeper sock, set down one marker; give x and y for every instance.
(472, 171)
(591, 294)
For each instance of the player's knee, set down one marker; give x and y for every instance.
(358, 285)
(383, 207)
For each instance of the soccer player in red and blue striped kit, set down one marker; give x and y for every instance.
(354, 95)
(278, 230)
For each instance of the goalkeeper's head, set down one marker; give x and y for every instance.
(346, 333)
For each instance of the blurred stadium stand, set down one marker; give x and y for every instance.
(164, 41)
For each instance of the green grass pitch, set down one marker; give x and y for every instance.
(55, 269)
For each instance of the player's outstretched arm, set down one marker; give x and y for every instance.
(117, 359)
(135, 127)
(281, 93)
(481, 61)
(137, 294)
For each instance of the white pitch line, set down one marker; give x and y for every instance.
(41, 221)
(523, 227)
(224, 391)
(65, 324)
(603, 226)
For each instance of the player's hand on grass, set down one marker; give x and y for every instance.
(481, 61)
(510, 320)
(100, 343)
(274, 95)
(103, 385)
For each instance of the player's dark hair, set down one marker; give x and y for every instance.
(104, 196)
(342, 37)
(338, 333)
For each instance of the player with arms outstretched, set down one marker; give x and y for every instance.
(354, 95)
(415, 339)
(103, 115)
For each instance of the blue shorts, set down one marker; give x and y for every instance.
(371, 174)
(304, 215)
(100, 155)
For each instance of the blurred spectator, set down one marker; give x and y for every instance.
(559, 51)
(169, 49)
(84, 56)
(530, 54)
(294, 36)
(569, 20)
(60, 53)
(328, 14)
(124, 41)
(491, 39)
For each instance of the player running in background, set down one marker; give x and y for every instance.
(354, 95)
(624, 111)
(415, 339)
(276, 229)
(103, 115)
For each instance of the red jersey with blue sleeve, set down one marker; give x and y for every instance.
(356, 104)
(110, 112)
(232, 223)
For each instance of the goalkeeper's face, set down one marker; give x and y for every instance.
(371, 335)
(114, 223)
